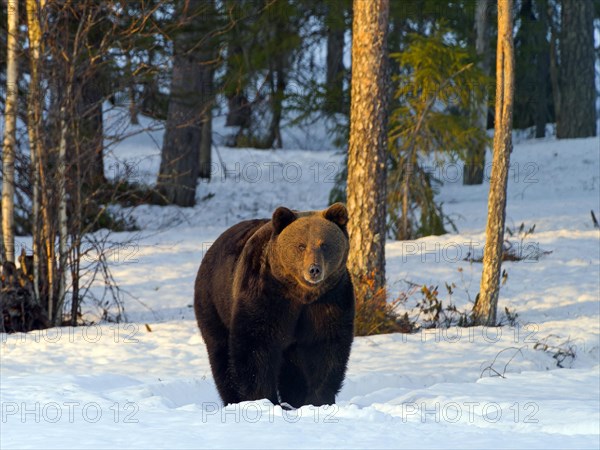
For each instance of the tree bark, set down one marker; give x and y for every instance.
(189, 101)
(90, 130)
(75, 266)
(484, 310)
(278, 85)
(577, 116)
(204, 170)
(34, 114)
(205, 160)
(368, 146)
(475, 162)
(542, 59)
(554, 75)
(532, 92)
(10, 130)
(239, 110)
(62, 217)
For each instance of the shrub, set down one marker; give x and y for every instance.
(376, 315)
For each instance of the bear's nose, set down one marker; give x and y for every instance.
(315, 271)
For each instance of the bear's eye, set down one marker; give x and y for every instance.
(301, 247)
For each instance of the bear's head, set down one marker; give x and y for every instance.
(310, 248)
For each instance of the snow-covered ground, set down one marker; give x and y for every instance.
(147, 383)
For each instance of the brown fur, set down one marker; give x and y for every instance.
(275, 306)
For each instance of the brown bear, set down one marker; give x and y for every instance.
(275, 305)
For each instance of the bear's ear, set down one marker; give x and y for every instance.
(337, 213)
(282, 217)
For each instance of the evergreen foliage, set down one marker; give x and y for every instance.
(262, 41)
(273, 60)
(436, 93)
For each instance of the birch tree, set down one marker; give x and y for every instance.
(484, 310)
(10, 124)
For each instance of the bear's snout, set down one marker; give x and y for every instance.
(315, 274)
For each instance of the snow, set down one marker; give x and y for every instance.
(147, 383)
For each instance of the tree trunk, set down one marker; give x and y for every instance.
(75, 265)
(205, 161)
(368, 146)
(532, 64)
(90, 130)
(239, 111)
(81, 75)
(554, 75)
(334, 80)
(238, 108)
(542, 60)
(577, 115)
(204, 170)
(10, 130)
(475, 161)
(62, 217)
(34, 114)
(278, 85)
(484, 310)
(189, 101)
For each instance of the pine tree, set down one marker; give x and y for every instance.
(189, 103)
(532, 75)
(576, 109)
(367, 147)
(484, 310)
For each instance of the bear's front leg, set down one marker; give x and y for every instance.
(254, 357)
(324, 348)
(325, 363)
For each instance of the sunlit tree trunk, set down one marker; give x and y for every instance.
(10, 129)
(367, 147)
(484, 310)
(34, 114)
